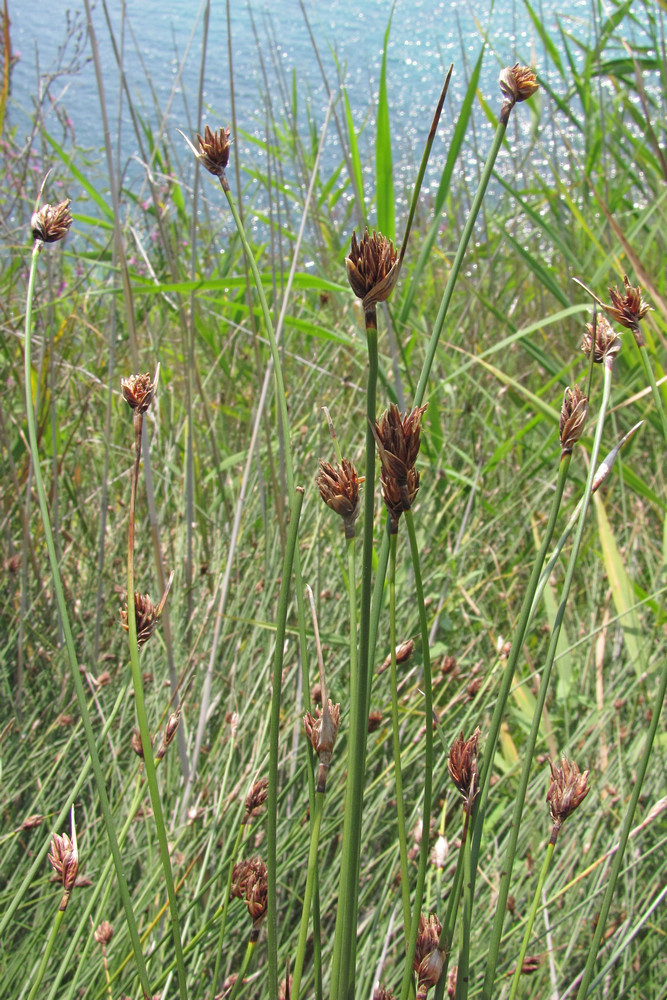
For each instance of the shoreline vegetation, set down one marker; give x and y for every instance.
(334, 542)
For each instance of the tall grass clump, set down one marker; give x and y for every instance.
(334, 535)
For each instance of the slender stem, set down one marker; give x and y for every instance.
(274, 731)
(47, 954)
(537, 895)
(528, 750)
(352, 601)
(345, 939)
(458, 260)
(462, 976)
(273, 343)
(69, 641)
(223, 922)
(238, 985)
(637, 786)
(311, 878)
(657, 398)
(142, 719)
(428, 753)
(447, 936)
(398, 775)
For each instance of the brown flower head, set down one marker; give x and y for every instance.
(30, 822)
(169, 733)
(572, 418)
(428, 959)
(103, 933)
(397, 436)
(381, 994)
(249, 882)
(214, 150)
(339, 488)
(64, 860)
(372, 270)
(605, 343)
(321, 730)
(50, 223)
(146, 616)
(136, 743)
(628, 309)
(256, 798)
(517, 83)
(403, 653)
(138, 391)
(568, 788)
(462, 766)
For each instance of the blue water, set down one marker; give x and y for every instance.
(164, 40)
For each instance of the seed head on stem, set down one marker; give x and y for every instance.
(568, 789)
(572, 418)
(64, 859)
(372, 271)
(428, 959)
(339, 489)
(213, 152)
(51, 223)
(138, 391)
(602, 339)
(462, 766)
(398, 436)
(628, 309)
(517, 83)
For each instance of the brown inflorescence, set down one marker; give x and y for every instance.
(256, 798)
(568, 789)
(250, 882)
(572, 418)
(213, 151)
(462, 766)
(397, 436)
(169, 733)
(605, 342)
(51, 222)
(64, 860)
(429, 959)
(628, 309)
(339, 488)
(146, 617)
(138, 391)
(321, 730)
(372, 270)
(103, 933)
(517, 83)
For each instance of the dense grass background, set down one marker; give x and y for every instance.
(159, 276)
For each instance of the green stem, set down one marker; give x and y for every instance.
(529, 748)
(345, 938)
(447, 936)
(228, 886)
(47, 954)
(398, 776)
(458, 260)
(637, 786)
(142, 719)
(352, 601)
(238, 985)
(311, 878)
(69, 641)
(657, 398)
(531, 916)
(274, 732)
(273, 343)
(428, 753)
(462, 976)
